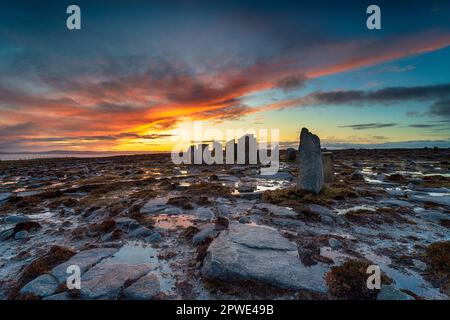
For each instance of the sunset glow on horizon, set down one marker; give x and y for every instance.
(133, 74)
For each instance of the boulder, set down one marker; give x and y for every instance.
(145, 288)
(260, 254)
(105, 281)
(310, 177)
(43, 286)
(205, 214)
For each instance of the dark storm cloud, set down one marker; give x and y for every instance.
(386, 95)
(365, 126)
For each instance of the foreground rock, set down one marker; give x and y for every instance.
(84, 260)
(390, 292)
(259, 254)
(310, 176)
(43, 286)
(5, 196)
(105, 281)
(146, 288)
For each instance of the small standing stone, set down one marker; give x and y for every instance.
(328, 167)
(310, 177)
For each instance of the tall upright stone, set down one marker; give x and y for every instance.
(310, 176)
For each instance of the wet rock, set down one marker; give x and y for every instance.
(326, 215)
(141, 232)
(5, 196)
(172, 211)
(253, 218)
(422, 266)
(84, 260)
(205, 214)
(357, 176)
(230, 178)
(16, 219)
(154, 238)
(106, 280)
(291, 154)
(390, 292)
(43, 286)
(145, 288)
(259, 254)
(280, 175)
(152, 208)
(246, 187)
(21, 235)
(276, 210)
(396, 203)
(125, 224)
(334, 243)
(224, 210)
(5, 235)
(433, 216)
(311, 165)
(59, 296)
(207, 232)
(444, 201)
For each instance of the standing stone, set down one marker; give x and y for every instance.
(328, 167)
(291, 154)
(310, 176)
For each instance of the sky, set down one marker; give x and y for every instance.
(138, 71)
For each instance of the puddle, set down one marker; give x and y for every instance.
(171, 222)
(137, 252)
(271, 185)
(408, 279)
(355, 208)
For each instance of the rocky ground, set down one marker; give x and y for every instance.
(141, 228)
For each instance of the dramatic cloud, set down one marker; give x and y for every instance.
(145, 73)
(386, 96)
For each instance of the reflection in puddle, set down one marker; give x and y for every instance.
(137, 252)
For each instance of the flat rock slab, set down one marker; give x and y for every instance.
(397, 203)
(5, 196)
(443, 201)
(276, 210)
(260, 254)
(146, 288)
(84, 260)
(16, 219)
(43, 286)
(105, 281)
